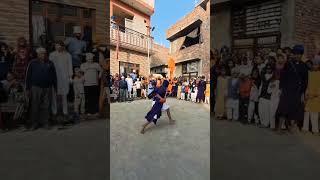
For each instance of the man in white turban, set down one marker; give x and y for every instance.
(76, 46)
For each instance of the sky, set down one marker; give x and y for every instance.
(167, 13)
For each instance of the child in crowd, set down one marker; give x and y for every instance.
(134, 90)
(182, 91)
(186, 92)
(253, 111)
(179, 91)
(312, 107)
(233, 96)
(244, 88)
(221, 92)
(265, 97)
(79, 96)
(194, 94)
(274, 90)
(92, 73)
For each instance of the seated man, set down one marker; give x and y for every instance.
(13, 98)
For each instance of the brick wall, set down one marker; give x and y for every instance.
(307, 24)
(160, 55)
(199, 51)
(126, 55)
(14, 18)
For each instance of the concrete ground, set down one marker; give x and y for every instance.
(164, 152)
(78, 153)
(248, 152)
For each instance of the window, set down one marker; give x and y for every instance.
(37, 7)
(184, 68)
(56, 22)
(127, 68)
(192, 38)
(55, 10)
(56, 30)
(70, 11)
(69, 29)
(87, 13)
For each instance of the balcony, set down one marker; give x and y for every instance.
(129, 39)
(145, 6)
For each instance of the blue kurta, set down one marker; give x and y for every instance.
(154, 114)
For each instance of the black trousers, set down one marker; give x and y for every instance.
(92, 99)
(243, 109)
(138, 93)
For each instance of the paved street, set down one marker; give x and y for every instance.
(164, 152)
(251, 153)
(78, 153)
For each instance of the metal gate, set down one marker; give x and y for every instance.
(256, 26)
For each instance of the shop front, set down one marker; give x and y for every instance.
(256, 26)
(189, 69)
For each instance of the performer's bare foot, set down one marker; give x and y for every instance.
(142, 131)
(144, 127)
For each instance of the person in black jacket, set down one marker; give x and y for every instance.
(123, 89)
(41, 79)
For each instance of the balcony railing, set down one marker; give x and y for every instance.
(129, 38)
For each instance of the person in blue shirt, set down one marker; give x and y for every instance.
(41, 79)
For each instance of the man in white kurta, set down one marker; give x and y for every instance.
(130, 85)
(62, 61)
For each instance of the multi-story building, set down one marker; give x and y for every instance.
(159, 60)
(250, 25)
(130, 40)
(46, 21)
(190, 42)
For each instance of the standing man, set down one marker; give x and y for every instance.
(41, 79)
(76, 46)
(130, 85)
(133, 75)
(293, 85)
(123, 89)
(63, 64)
(201, 90)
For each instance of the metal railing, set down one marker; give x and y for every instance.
(129, 37)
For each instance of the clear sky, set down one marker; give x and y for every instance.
(167, 13)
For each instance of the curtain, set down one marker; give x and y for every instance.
(38, 28)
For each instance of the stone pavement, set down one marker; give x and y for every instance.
(78, 153)
(164, 152)
(248, 152)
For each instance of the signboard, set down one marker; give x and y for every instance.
(257, 19)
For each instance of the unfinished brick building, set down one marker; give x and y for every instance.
(250, 25)
(190, 42)
(131, 45)
(159, 60)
